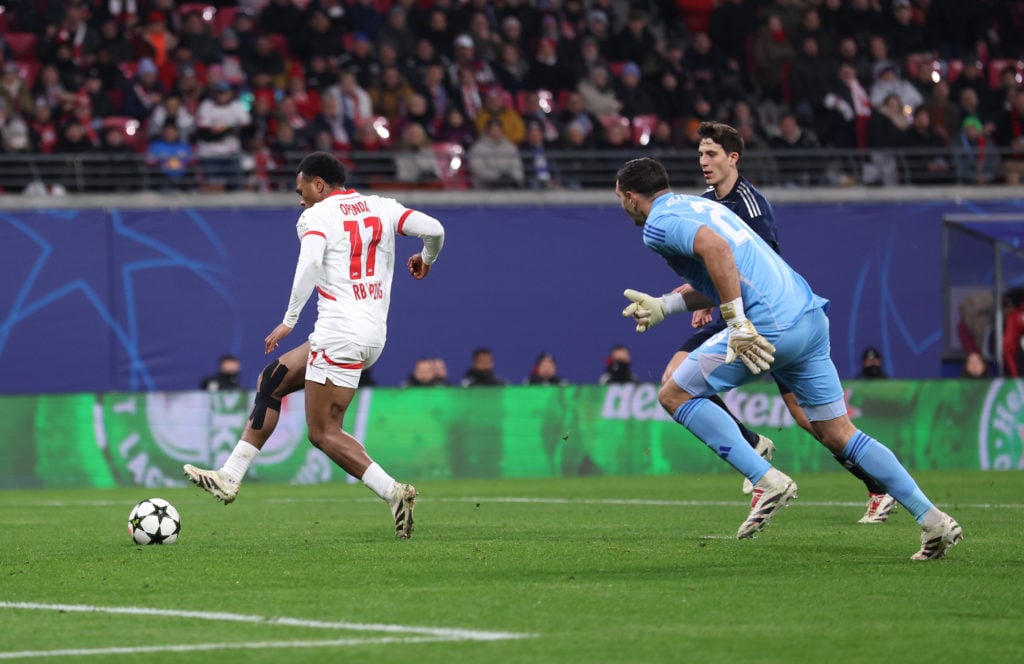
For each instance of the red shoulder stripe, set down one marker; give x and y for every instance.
(401, 220)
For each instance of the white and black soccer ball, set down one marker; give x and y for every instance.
(154, 521)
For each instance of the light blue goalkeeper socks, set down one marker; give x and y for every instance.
(717, 429)
(880, 463)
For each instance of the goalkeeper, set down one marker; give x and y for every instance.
(774, 321)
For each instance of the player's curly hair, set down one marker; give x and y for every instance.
(323, 165)
(645, 176)
(723, 134)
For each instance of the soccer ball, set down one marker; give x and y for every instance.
(154, 521)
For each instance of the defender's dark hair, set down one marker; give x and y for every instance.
(723, 134)
(645, 176)
(323, 165)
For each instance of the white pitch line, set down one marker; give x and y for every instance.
(436, 632)
(195, 647)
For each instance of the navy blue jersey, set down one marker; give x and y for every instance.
(752, 207)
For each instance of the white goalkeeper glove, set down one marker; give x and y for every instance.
(648, 310)
(756, 352)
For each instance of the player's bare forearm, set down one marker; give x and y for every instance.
(274, 338)
(417, 268)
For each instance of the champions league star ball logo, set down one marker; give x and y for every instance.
(1001, 427)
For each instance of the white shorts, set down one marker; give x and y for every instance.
(340, 361)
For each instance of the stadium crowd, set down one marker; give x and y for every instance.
(515, 94)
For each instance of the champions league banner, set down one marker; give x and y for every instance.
(142, 439)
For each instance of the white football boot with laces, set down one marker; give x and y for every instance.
(880, 506)
(938, 539)
(401, 505)
(213, 482)
(771, 493)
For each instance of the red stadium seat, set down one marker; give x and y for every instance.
(224, 17)
(381, 125)
(279, 42)
(23, 45)
(451, 158)
(546, 98)
(643, 127)
(953, 69)
(208, 12)
(27, 72)
(996, 68)
(608, 120)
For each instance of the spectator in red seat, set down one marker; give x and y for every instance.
(353, 100)
(320, 38)
(494, 161)
(144, 92)
(14, 91)
(266, 60)
(436, 90)
(466, 58)
(182, 62)
(359, 59)
(171, 109)
(510, 69)
(320, 74)
(598, 93)
(219, 123)
(288, 114)
(196, 35)
(390, 94)
(42, 130)
(576, 112)
(496, 108)
(455, 129)
(772, 53)
(331, 120)
(159, 40)
(634, 42)
(73, 139)
(307, 102)
(547, 71)
(14, 134)
(49, 88)
(113, 39)
(397, 31)
(551, 128)
(282, 17)
(438, 28)
(631, 92)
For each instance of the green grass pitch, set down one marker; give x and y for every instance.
(569, 570)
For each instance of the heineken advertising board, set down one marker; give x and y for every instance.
(123, 439)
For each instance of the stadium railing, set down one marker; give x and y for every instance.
(97, 173)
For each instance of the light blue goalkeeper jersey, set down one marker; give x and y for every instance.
(774, 295)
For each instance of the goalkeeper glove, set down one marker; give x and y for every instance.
(648, 310)
(754, 351)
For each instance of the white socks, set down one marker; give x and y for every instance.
(238, 463)
(379, 481)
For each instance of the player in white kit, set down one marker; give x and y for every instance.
(347, 255)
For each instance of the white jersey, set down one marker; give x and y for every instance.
(348, 256)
